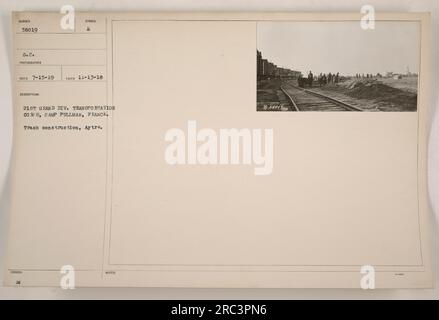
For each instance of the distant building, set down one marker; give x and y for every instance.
(259, 62)
(267, 69)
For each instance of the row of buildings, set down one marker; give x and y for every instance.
(268, 70)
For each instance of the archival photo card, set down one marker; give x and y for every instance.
(140, 161)
(337, 66)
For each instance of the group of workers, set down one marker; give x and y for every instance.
(322, 79)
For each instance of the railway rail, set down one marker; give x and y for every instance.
(307, 100)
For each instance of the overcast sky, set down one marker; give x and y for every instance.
(341, 46)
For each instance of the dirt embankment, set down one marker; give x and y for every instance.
(376, 94)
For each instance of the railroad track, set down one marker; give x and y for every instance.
(307, 100)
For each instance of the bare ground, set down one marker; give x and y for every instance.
(375, 94)
(270, 96)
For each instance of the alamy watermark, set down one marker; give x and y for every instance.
(367, 281)
(227, 146)
(368, 19)
(68, 277)
(67, 21)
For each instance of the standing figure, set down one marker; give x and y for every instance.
(300, 81)
(320, 79)
(310, 78)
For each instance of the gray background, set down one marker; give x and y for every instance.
(6, 6)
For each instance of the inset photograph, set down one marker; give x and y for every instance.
(338, 66)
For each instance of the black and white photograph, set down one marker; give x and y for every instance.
(156, 151)
(337, 66)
